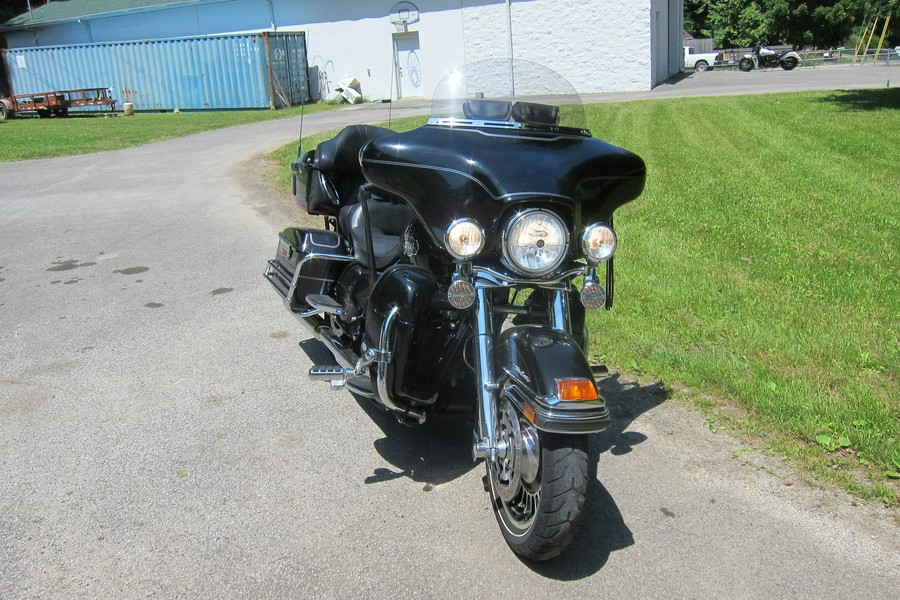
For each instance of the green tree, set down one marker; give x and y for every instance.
(729, 22)
(823, 23)
(820, 23)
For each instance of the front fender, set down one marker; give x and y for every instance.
(530, 360)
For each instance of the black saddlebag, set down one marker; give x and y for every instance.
(307, 261)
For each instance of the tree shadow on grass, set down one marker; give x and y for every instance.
(878, 99)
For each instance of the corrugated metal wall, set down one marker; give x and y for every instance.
(209, 72)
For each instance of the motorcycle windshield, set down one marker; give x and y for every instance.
(503, 136)
(508, 94)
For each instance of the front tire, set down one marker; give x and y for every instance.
(789, 63)
(4, 113)
(745, 65)
(538, 486)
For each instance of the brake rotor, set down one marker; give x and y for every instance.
(518, 456)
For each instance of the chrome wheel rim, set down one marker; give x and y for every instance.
(515, 475)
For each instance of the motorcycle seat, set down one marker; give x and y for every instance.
(389, 223)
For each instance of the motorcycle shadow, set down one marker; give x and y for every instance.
(434, 453)
(439, 451)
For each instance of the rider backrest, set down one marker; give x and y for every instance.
(389, 222)
(335, 174)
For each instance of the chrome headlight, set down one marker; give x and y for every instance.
(598, 242)
(535, 242)
(464, 239)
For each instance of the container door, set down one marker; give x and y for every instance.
(407, 69)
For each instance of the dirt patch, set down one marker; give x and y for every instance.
(276, 208)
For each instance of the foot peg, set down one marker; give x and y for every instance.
(338, 376)
(326, 304)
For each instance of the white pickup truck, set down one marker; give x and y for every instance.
(700, 62)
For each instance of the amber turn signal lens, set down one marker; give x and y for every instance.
(576, 390)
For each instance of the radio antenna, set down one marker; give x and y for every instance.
(391, 93)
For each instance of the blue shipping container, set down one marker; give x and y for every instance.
(259, 70)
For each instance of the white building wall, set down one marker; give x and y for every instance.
(598, 45)
(347, 37)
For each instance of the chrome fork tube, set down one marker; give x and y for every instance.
(486, 444)
(559, 311)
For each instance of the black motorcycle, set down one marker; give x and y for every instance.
(764, 58)
(453, 273)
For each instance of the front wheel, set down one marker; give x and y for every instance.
(788, 63)
(4, 113)
(538, 486)
(745, 65)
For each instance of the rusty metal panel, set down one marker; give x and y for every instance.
(195, 73)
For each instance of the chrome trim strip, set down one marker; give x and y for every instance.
(586, 419)
(487, 277)
(520, 129)
(337, 239)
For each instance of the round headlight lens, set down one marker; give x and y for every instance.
(535, 242)
(464, 239)
(598, 242)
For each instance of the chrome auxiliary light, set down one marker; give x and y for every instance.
(593, 296)
(461, 293)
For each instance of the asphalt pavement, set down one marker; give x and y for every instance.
(159, 438)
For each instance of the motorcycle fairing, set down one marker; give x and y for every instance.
(531, 359)
(445, 173)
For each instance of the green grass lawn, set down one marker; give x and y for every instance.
(760, 270)
(23, 138)
(762, 267)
